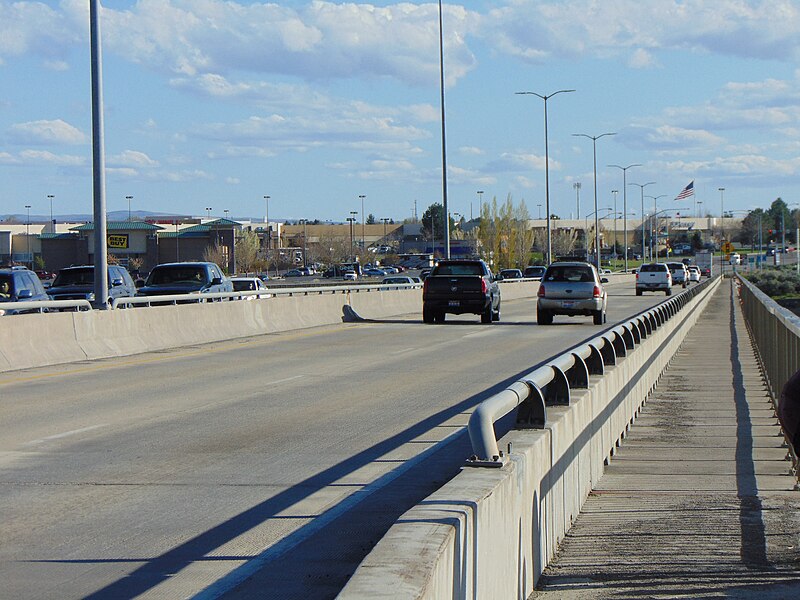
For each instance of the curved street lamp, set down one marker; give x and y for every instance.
(594, 139)
(549, 257)
(625, 205)
(641, 188)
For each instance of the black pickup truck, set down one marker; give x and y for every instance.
(458, 287)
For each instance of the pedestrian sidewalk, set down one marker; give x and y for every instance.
(699, 501)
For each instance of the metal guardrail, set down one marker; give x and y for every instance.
(43, 306)
(271, 292)
(776, 333)
(551, 383)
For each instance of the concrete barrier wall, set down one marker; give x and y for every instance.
(37, 340)
(489, 533)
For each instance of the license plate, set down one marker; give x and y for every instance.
(454, 303)
(567, 304)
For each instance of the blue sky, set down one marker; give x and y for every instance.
(217, 104)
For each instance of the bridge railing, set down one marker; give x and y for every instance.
(776, 333)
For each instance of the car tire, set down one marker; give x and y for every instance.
(544, 317)
(638, 292)
(439, 317)
(427, 316)
(486, 315)
(496, 314)
(668, 292)
(599, 317)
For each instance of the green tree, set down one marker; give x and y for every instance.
(371, 219)
(433, 221)
(247, 246)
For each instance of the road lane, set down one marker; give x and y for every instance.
(159, 474)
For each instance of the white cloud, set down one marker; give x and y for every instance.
(46, 132)
(470, 150)
(43, 157)
(641, 59)
(509, 162)
(132, 158)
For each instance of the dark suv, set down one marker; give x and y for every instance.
(77, 283)
(185, 278)
(19, 285)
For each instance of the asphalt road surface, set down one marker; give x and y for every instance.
(262, 467)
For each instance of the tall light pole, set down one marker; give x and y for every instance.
(444, 139)
(722, 212)
(577, 186)
(208, 212)
(226, 211)
(129, 198)
(385, 221)
(539, 206)
(480, 202)
(641, 188)
(266, 224)
(52, 220)
(625, 206)
(363, 236)
(98, 162)
(352, 219)
(655, 219)
(28, 234)
(614, 253)
(594, 139)
(305, 262)
(549, 257)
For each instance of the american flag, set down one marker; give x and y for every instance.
(686, 192)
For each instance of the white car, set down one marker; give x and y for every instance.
(349, 276)
(694, 274)
(249, 284)
(736, 259)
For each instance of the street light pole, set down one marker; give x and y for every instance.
(625, 206)
(641, 188)
(586, 224)
(655, 224)
(480, 202)
(28, 235)
(540, 210)
(722, 212)
(614, 253)
(352, 220)
(208, 212)
(594, 139)
(577, 186)
(385, 221)
(549, 257)
(129, 198)
(363, 237)
(52, 220)
(266, 224)
(444, 138)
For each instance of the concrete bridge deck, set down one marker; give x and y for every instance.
(699, 501)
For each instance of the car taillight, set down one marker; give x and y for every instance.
(637, 276)
(484, 286)
(540, 293)
(597, 292)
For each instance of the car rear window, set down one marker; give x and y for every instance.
(566, 273)
(74, 277)
(243, 286)
(8, 280)
(458, 269)
(653, 268)
(177, 274)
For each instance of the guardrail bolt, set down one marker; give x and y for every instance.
(509, 447)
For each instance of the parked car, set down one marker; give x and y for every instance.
(349, 275)
(20, 285)
(294, 273)
(398, 280)
(534, 272)
(510, 274)
(185, 278)
(654, 277)
(77, 283)
(374, 272)
(249, 284)
(680, 275)
(571, 288)
(694, 273)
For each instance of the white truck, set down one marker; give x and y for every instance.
(654, 277)
(705, 261)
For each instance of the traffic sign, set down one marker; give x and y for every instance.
(727, 248)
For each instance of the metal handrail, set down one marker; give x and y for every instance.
(43, 305)
(552, 382)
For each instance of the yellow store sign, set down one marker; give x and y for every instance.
(118, 240)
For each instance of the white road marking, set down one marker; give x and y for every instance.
(59, 436)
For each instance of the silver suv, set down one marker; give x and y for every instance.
(571, 288)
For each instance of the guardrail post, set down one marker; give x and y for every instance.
(557, 391)
(531, 413)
